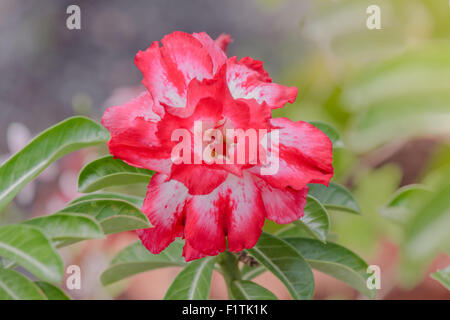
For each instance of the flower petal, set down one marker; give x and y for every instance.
(204, 228)
(304, 154)
(161, 76)
(189, 253)
(245, 214)
(164, 206)
(234, 209)
(199, 179)
(282, 205)
(205, 115)
(118, 119)
(217, 54)
(133, 128)
(223, 40)
(304, 138)
(189, 55)
(197, 90)
(168, 70)
(247, 79)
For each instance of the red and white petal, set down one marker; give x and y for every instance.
(133, 128)
(235, 209)
(199, 179)
(188, 55)
(162, 78)
(139, 146)
(247, 79)
(164, 206)
(165, 200)
(197, 90)
(157, 239)
(304, 138)
(217, 54)
(223, 40)
(236, 114)
(205, 115)
(275, 95)
(247, 69)
(168, 70)
(118, 119)
(282, 205)
(292, 173)
(304, 155)
(260, 115)
(245, 212)
(189, 253)
(205, 224)
(156, 159)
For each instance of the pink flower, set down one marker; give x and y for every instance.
(213, 206)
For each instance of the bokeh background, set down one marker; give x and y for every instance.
(387, 91)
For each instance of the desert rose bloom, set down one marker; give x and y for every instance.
(213, 206)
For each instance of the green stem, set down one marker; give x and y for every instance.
(229, 268)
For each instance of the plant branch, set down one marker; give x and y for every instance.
(228, 266)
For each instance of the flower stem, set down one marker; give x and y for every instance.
(229, 268)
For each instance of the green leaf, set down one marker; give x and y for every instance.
(113, 215)
(107, 172)
(330, 131)
(405, 202)
(108, 195)
(426, 233)
(249, 273)
(31, 249)
(316, 220)
(286, 263)
(292, 230)
(443, 276)
(248, 290)
(15, 286)
(334, 197)
(336, 261)
(136, 258)
(65, 137)
(193, 282)
(68, 226)
(52, 292)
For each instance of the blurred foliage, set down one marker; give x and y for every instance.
(381, 89)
